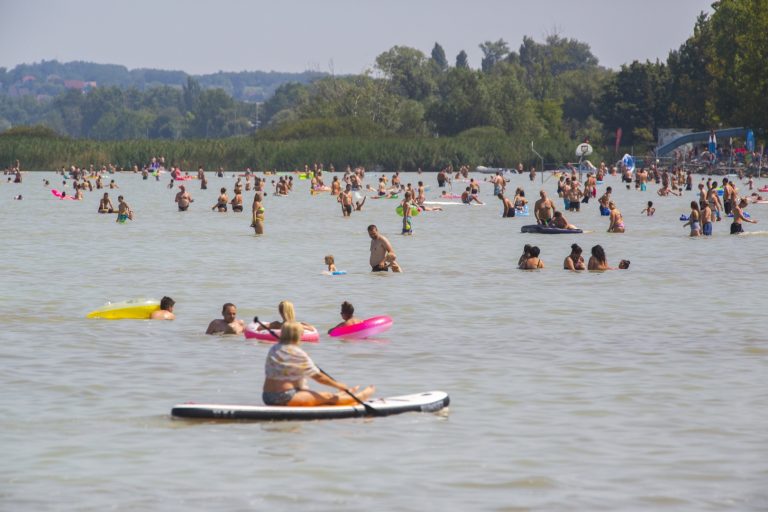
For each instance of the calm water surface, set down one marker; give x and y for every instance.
(627, 390)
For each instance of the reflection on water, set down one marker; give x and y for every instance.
(624, 390)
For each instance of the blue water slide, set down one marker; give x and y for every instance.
(722, 135)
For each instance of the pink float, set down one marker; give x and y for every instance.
(252, 332)
(365, 329)
(61, 195)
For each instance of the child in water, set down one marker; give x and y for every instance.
(329, 261)
(649, 210)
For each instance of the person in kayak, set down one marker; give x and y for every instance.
(287, 368)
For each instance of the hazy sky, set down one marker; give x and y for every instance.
(343, 36)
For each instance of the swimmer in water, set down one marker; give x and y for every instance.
(331, 265)
(574, 261)
(599, 262)
(649, 210)
(523, 257)
(166, 310)
(229, 324)
(348, 316)
(288, 314)
(533, 262)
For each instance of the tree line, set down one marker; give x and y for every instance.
(553, 92)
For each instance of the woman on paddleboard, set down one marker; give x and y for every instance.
(287, 368)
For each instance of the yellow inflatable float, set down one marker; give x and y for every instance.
(134, 309)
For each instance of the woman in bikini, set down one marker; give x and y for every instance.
(287, 368)
(221, 202)
(616, 220)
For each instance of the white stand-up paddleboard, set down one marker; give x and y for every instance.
(430, 401)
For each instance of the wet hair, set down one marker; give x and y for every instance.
(575, 249)
(558, 214)
(223, 190)
(347, 308)
(624, 264)
(290, 332)
(226, 306)
(650, 203)
(166, 302)
(527, 249)
(329, 259)
(598, 253)
(286, 311)
(535, 251)
(371, 227)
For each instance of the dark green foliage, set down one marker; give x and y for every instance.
(461, 60)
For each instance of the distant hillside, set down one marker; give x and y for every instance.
(50, 78)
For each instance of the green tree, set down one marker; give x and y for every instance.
(493, 53)
(636, 99)
(464, 102)
(191, 94)
(738, 63)
(293, 96)
(692, 87)
(214, 109)
(461, 60)
(408, 72)
(438, 57)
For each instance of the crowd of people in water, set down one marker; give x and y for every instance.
(287, 366)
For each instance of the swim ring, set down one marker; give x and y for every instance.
(763, 189)
(365, 329)
(335, 273)
(252, 332)
(414, 210)
(133, 309)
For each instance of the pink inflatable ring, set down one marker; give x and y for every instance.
(365, 329)
(252, 331)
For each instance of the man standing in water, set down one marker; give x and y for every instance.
(183, 198)
(544, 209)
(124, 211)
(738, 217)
(382, 255)
(345, 198)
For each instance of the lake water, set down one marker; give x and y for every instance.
(626, 390)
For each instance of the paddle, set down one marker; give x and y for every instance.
(368, 408)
